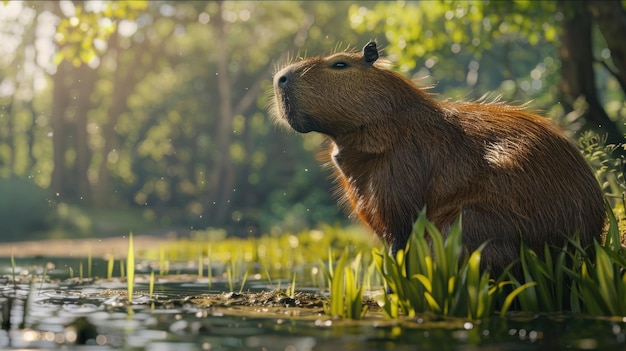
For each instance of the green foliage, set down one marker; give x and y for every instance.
(549, 275)
(346, 287)
(609, 168)
(24, 209)
(568, 279)
(441, 281)
(601, 288)
(431, 276)
(82, 34)
(137, 122)
(469, 48)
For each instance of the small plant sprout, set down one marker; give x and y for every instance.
(151, 286)
(130, 268)
(346, 294)
(269, 278)
(292, 291)
(243, 282)
(229, 277)
(110, 265)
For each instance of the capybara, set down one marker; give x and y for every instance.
(510, 174)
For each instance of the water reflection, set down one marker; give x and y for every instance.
(182, 316)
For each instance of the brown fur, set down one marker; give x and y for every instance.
(395, 150)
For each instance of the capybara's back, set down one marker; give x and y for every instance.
(395, 151)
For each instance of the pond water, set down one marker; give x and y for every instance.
(182, 314)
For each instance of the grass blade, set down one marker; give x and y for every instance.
(130, 269)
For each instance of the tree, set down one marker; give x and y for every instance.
(78, 35)
(161, 107)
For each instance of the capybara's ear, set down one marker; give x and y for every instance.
(370, 53)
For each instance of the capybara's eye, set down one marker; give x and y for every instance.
(339, 65)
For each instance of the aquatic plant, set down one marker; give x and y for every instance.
(431, 275)
(151, 285)
(445, 283)
(110, 265)
(568, 279)
(434, 277)
(130, 268)
(278, 253)
(346, 287)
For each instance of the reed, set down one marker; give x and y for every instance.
(130, 269)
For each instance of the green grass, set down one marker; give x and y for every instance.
(130, 268)
(346, 287)
(431, 276)
(448, 285)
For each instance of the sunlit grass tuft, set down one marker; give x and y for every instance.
(346, 287)
(443, 282)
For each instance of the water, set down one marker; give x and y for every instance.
(95, 317)
(184, 315)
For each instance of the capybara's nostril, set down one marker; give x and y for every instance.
(283, 79)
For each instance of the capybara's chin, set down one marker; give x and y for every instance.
(302, 123)
(395, 151)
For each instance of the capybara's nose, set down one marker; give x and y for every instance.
(283, 78)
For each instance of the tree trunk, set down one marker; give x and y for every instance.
(222, 175)
(611, 19)
(9, 135)
(85, 86)
(131, 68)
(577, 74)
(60, 101)
(102, 190)
(30, 135)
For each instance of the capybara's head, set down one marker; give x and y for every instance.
(337, 94)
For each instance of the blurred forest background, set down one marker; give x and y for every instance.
(142, 115)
